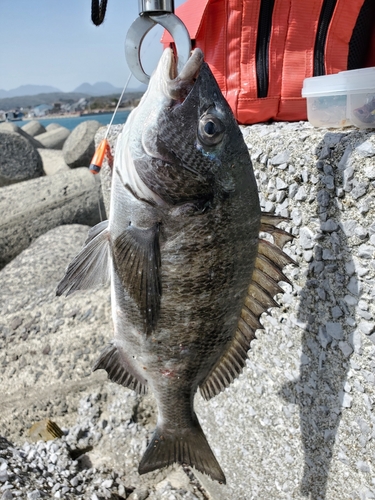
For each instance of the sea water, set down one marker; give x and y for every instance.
(71, 122)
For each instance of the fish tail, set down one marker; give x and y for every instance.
(186, 446)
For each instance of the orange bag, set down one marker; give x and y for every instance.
(260, 51)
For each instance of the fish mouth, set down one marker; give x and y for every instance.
(179, 85)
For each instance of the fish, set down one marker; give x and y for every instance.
(190, 275)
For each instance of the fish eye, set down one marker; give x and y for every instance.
(210, 130)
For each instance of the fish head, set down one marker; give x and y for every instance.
(186, 140)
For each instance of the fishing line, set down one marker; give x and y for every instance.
(104, 149)
(118, 104)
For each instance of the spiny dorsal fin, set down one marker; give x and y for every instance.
(113, 361)
(263, 287)
(90, 268)
(137, 260)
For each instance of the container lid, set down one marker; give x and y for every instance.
(360, 79)
(352, 81)
(324, 85)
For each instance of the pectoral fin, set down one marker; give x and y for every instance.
(137, 260)
(262, 288)
(91, 267)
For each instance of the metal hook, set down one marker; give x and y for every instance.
(154, 12)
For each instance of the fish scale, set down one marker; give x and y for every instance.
(189, 274)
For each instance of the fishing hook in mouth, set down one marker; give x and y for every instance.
(153, 12)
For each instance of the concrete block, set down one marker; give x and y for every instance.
(79, 148)
(19, 160)
(33, 128)
(54, 139)
(32, 208)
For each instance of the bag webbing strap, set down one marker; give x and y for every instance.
(339, 34)
(299, 45)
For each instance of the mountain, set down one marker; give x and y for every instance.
(30, 101)
(98, 89)
(28, 90)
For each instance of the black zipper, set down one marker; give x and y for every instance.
(326, 14)
(262, 48)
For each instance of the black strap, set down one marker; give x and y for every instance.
(98, 9)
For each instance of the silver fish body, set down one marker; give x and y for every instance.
(188, 275)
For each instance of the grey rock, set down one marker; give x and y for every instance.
(361, 232)
(282, 157)
(329, 226)
(356, 341)
(353, 286)
(366, 327)
(324, 337)
(336, 312)
(306, 238)
(332, 138)
(346, 399)
(19, 160)
(347, 177)
(325, 153)
(345, 160)
(141, 494)
(345, 348)
(323, 198)
(7, 495)
(280, 184)
(33, 128)
(350, 300)
(335, 330)
(366, 149)
(363, 466)
(293, 188)
(329, 182)
(79, 148)
(297, 217)
(366, 251)
(349, 227)
(359, 190)
(54, 139)
(327, 254)
(34, 495)
(33, 208)
(301, 194)
(370, 173)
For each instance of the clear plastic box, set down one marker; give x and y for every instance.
(343, 99)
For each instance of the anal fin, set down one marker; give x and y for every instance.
(114, 363)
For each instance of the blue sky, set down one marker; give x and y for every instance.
(54, 42)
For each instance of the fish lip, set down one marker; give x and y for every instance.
(179, 86)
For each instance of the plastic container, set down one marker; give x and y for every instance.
(346, 98)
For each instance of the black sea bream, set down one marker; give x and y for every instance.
(189, 274)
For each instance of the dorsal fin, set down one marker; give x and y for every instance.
(263, 287)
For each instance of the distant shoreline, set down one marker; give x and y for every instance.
(75, 115)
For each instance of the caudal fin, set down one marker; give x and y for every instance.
(187, 446)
